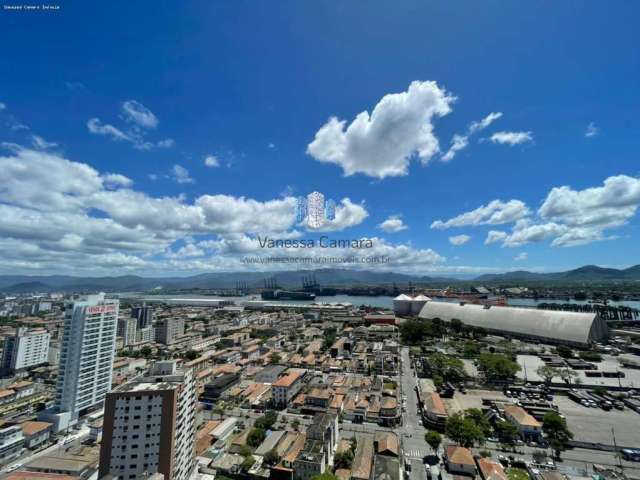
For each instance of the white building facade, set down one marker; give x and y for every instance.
(87, 351)
(25, 349)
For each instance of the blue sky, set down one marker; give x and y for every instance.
(149, 91)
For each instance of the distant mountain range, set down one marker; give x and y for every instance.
(588, 273)
(290, 279)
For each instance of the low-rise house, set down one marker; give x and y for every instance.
(389, 414)
(434, 411)
(528, 427)
(204, 439)
(35, 433)
(491, 470)
(362, 465)
(287, 386)
(79, 462)
(459, 460)
(386, 443)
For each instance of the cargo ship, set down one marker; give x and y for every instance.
(287, 295)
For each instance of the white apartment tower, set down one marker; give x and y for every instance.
(315, 210)
(149, 425)
(27, 348)
(127, 329)
(86, 358)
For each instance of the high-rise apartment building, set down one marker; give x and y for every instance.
(27, 348)
(143, 315)
(127, 329)
(86, 358)
(167, 329)
(149, 425)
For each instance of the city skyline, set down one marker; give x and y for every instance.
(506, 143)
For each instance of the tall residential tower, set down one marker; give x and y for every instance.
(86, 358)
(149, 425)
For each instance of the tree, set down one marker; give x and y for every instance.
(415, 331)
(568, 375)
(507, 433)
(479, 419)
(245, 451)
(497, 366)
(564, 351)
(343, 459)
(275, 358)
(248, 463)
(433, 439)
(463, 430)
(191, 355)
(219, 409)
(456, 325)
(556, 430)
(590, 356)
(547, 373)
(451, 369)
(325, 476)
(256, 437)
(470, 349)
(146, 351)
(266, 421)
(539, 456)
(271, 457)
(295, 424)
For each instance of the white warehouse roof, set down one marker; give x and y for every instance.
(553, 325)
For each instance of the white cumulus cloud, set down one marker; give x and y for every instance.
(181, 174)
(511, 138)
(137, 113)
(458, 240)
(393, 224)
(496, 212)
(382, 144)
(592, 130)
(211, 161)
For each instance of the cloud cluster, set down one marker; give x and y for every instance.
(60, 214)
(393, 224)
(567, 217)
(496, 212)
(511, 138)
(139, 120)
(458, 240)
(382, 144)
(460, 142)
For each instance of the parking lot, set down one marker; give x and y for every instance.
(594, 424)
(471, 399)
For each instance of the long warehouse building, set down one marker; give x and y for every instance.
(551, 326)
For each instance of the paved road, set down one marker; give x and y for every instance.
(412, 432)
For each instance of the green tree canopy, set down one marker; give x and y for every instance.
(463, 430)
(548, 373)
(497, 366)
(266, 421)
(256, 437)
(433, 439)
(555, 427)
(325, 476)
